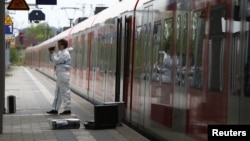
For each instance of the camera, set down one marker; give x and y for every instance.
(52, 48)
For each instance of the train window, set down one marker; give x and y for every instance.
(235, 65)
(149, 31)
(77, 50)
(84, 51)
(216, 48)
(138, 32)
(165, 59)
(181, 49)
(94, 51)
(179, 44)
(145, 34)
(138, 49)
(217, 16)
(237, 15)
(157, 32)
(73, 53)
(184, 49)
(156, 47)
(216, 51)
(102, 41)
(80, 55)
(196, 55)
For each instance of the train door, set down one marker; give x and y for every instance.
(239, 96)
(162, 73)
(208, 78)
(123, 51)
(179, 97)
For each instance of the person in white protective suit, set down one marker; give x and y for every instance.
(62, 62)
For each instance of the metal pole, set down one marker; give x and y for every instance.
(70, 22)
(2, 63)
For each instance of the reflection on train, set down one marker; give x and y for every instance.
(177, 65)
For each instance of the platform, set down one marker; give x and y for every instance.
(34, 95)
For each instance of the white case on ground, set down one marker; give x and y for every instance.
(71, 123)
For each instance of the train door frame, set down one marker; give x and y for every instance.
(126, 62)
(123, 61)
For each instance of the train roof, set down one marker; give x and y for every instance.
(104, 15)
(101, 17)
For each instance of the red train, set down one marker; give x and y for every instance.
(178, 65)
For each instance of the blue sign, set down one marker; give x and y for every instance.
(8, 29)
(46, 2)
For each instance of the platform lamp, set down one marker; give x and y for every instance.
(70, 13)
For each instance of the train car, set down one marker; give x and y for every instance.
(178, 65)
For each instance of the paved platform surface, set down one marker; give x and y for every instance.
(30, 122)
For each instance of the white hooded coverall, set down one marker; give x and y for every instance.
(62, 62)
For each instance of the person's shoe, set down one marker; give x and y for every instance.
(52, 112)
(66, 113)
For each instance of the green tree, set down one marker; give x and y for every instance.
(42, 31)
